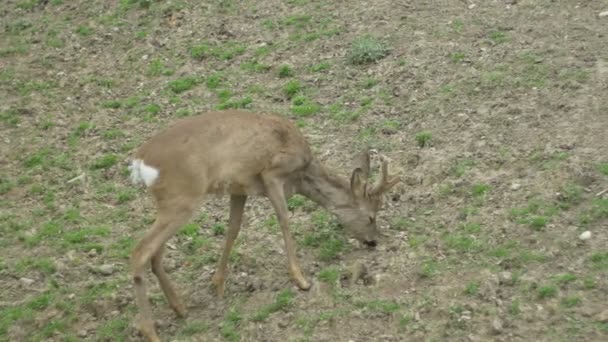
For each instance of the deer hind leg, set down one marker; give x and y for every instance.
(169, 290)
(276, 194)
(237, 206)
(168, 221)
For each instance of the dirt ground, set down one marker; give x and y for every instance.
(494, 112)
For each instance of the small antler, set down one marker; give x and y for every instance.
(385, 182)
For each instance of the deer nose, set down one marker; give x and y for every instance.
(370, 243)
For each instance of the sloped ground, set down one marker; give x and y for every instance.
(495, 113)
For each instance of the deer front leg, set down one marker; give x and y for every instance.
(237, 206)
(275, 192)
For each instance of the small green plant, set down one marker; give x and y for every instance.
(603, 167)
(599, 260)
(214, 80)
(199, 51)
(367, 49)
(480, 189)
(423, 138)
(547, 291)
(457, 57)
(320, 67)
(157, 68)
(472, 288)
(183, 84)
(428, 269)
(564, 279)
(193, 328)
(152, 108)
(498, 37)
(229, 327)
(303, 107)
(254, 66)
(282, 301)
(218, 229)
(84, 30)
(514, 308)
(329, 275)
(113, 104)
(291, 88)
(570, 302)
(461, 166)
(105, 162)
(285, 71)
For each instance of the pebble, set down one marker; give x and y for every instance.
(515, 186)
(603, 14)
(505, 278)
(106, 269)
(26, 281)
(497, 326)
(586, 235)
(82, 333)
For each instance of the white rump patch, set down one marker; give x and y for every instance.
(142, 173)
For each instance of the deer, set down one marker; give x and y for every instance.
(240, 154)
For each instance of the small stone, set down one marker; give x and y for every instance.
(515, 186)
(106, 269)
(92, 253)
(602, 317)
(82, 333)
(471, 6)
(505, 278)
(586, 235)
(603, 14)
(497, 326)
(26, 281)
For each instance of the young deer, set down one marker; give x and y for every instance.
(241, 154)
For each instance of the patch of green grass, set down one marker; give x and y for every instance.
(40, 302)
(462, 242)
(423, 138)
(428, 269)
(325, 237)
(200, 51)
(569, 195)
(193, 328)
(184, 84)
(369, 83)
(10, 117)
(214, 80)
(104, 162)
(564, 279)
(113, 104)
(603, 167)
(366, 49)
(570, 301)
(285, 71)
(536, 214)
(296, 201)
(461, 166)
(514, 308)
(156, 67)
(113, 329)
(292, 88)
(84, 30)
(218, 229)
(329, 275)
(254, 66)
(5, 185)
(319, 67)
(479, 189)
(282, 301)
(304, 107)
(299, 21)
(81, 235)
(457, 57)
(547, 291)
(152, 109)
(498, 37)
(599, 260)
(229, 327)
(44, 265)
(236, 103)
(472, 288)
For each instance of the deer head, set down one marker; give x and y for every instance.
(359, 218)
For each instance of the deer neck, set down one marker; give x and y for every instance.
(324, 187)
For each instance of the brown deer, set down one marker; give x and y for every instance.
(241, 154)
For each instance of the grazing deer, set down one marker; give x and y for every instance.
(241, 154)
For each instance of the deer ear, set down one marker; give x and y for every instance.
(362, 161)
(358, 183)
